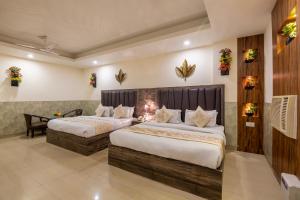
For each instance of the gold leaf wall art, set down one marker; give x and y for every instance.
(121, 76)
(185, 70)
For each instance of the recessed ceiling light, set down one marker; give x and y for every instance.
(187, 43)
(30, 55)
(95, 62)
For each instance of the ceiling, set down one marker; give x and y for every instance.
(110, 31)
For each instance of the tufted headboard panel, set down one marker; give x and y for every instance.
(117, 97)
(210, 97)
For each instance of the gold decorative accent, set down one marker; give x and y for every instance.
(121, 76)
(185, 70)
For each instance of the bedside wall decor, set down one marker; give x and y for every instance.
(93, 80)
(185, 70)
(15, 75)
(121, 76)
(225, 61)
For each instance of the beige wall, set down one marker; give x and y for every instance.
(268, 63)
(159, 71)
(268, 91)
(42, 82)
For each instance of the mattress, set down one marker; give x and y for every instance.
(84, 130)
(203, 154)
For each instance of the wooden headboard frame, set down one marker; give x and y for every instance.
(209, 97)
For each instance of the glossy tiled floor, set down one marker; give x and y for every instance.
(32, 169)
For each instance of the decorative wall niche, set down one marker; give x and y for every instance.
(249, 82)
(287, 31)
(250, 55)
(250, 110)
(250, 93)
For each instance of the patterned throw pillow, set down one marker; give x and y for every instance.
(200, 117)
(163, 115)
(119, 112)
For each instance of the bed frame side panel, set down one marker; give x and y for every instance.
(192, 178)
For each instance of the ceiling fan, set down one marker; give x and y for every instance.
(47, 48)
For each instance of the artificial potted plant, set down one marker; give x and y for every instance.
(250, 83)
(250, 109)
(14, 75)
(290, 31)
(225, 61)
(93, 79)
(250, 55)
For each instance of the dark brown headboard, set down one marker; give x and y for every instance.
(117, 97)
(210, 97)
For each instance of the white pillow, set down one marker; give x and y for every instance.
(176, 116)
(213, 118)
(129, 111)
(103, 111)
(200, 117)
(212, 122)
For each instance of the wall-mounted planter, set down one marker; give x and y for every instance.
(224, 72)
(93, 80)
(14, 83)
(225, 61)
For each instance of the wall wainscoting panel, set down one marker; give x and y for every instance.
(231, 124)
(12, 119)
(267, 132)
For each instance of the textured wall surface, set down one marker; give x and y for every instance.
(231, 124)
(12, 119)
(267, 133)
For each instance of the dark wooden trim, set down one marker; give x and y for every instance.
(192, 178)
(82, 145)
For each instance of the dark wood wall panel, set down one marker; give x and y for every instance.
(286, 151)
(250, 139)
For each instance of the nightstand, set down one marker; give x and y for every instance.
(135, 122)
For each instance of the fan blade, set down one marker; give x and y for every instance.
(48, 51)
(27, 46)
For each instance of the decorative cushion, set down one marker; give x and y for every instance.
(212, 122)
(120, 112)
(163, 115)
(200, 117)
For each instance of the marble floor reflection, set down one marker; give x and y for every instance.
(33, 169)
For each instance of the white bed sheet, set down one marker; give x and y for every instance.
(86, 130)
(202, 154)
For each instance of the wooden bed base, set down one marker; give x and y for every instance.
(195, 179)
(82, 145)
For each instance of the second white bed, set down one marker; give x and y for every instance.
(203, 154)
(84, 130)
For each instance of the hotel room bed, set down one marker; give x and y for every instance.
(82, 138)
(83, 134)
(199, 153)
(193, 166)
